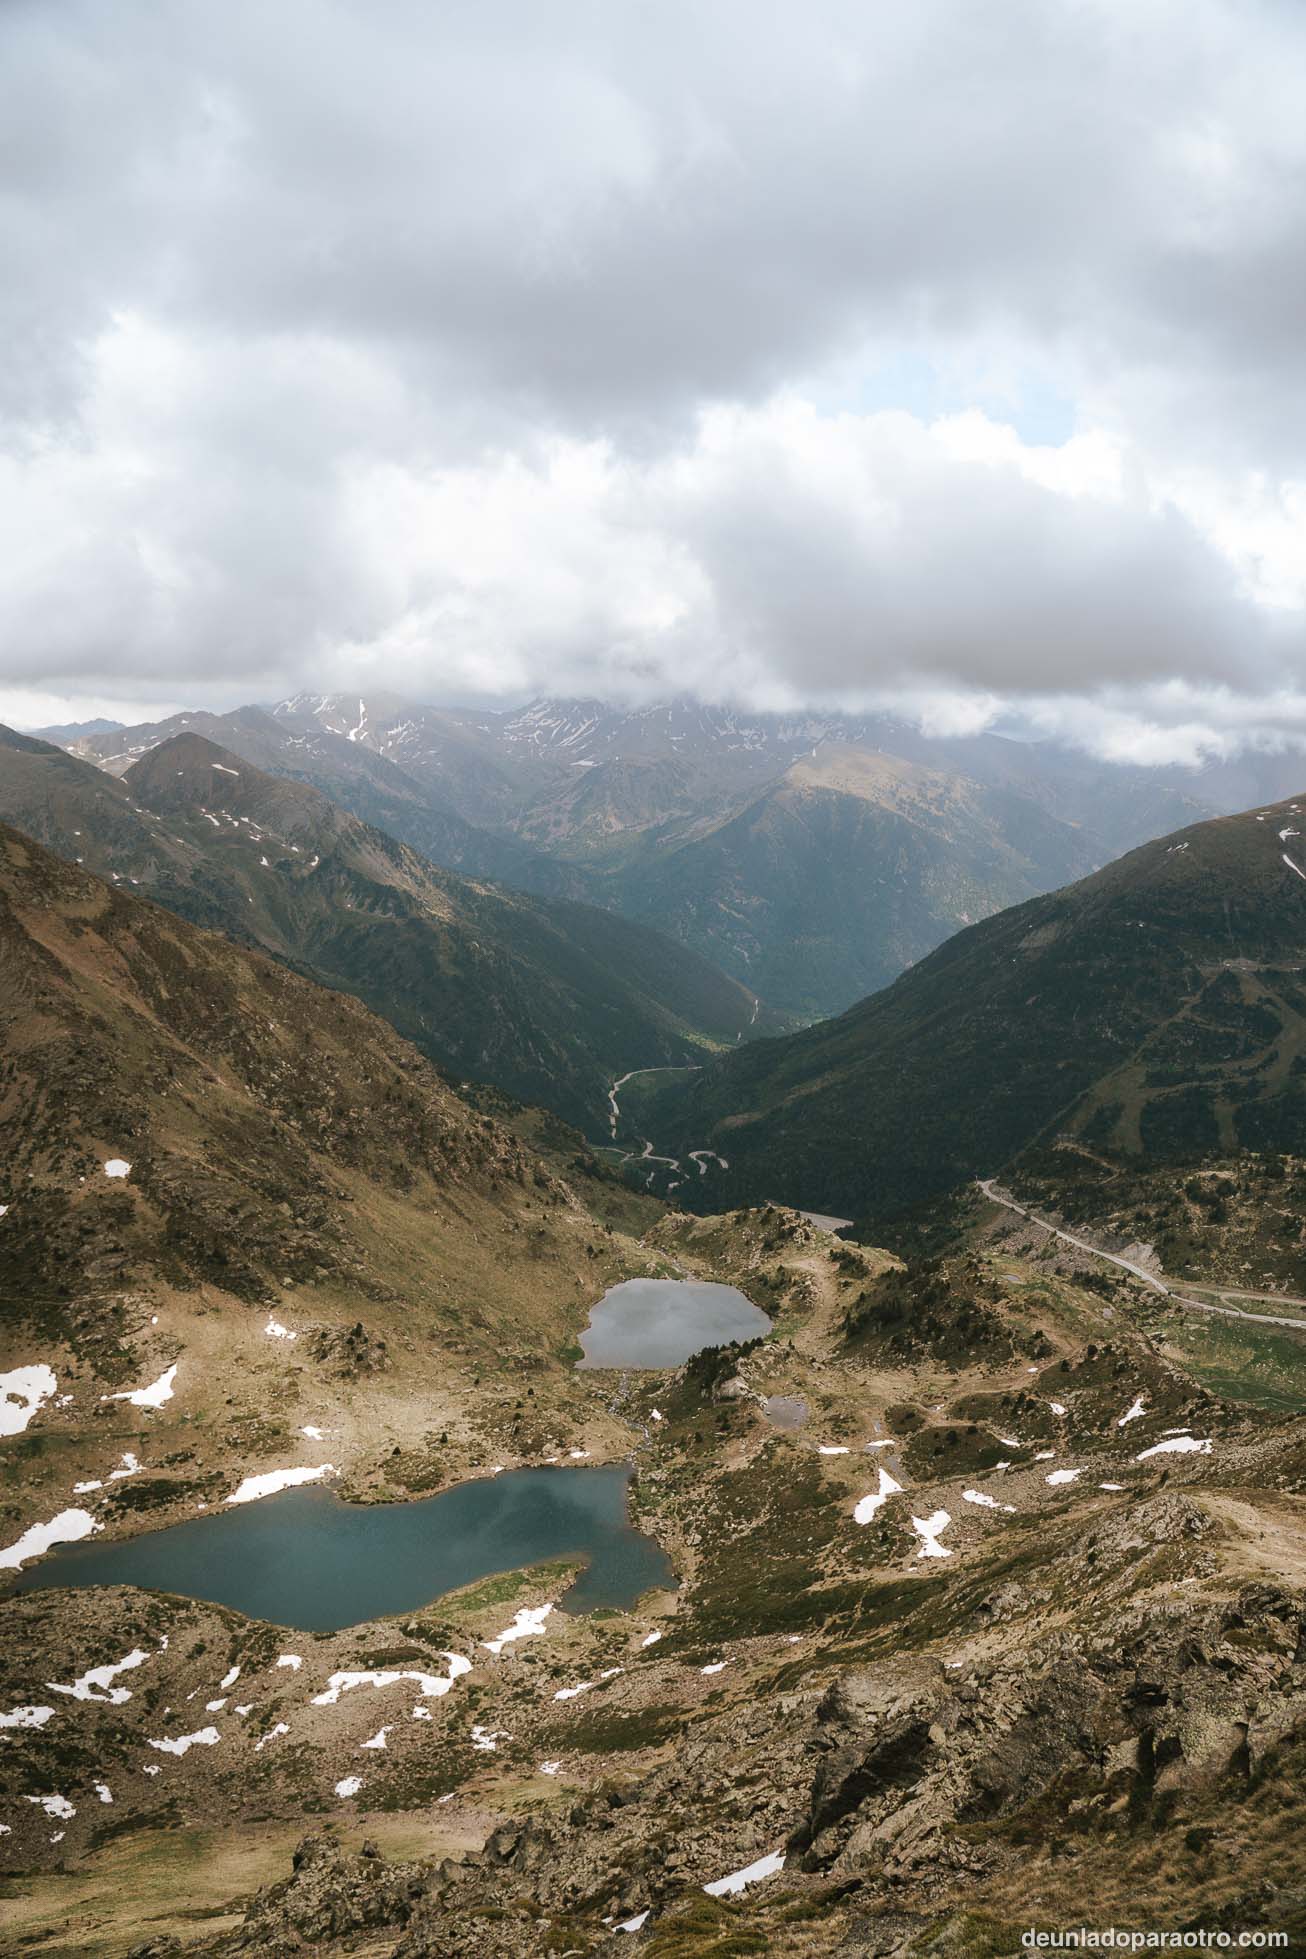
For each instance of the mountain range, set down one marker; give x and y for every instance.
(811, 856)
(271, 1134)
(545, 998)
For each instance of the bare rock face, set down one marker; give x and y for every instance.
(906, 1759)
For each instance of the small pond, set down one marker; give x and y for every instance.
(661, 1322)
(307, 1560)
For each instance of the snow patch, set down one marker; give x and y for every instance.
(273, 1480)
(84, 1687)
(22, 1391)
(986, 1502)
(428, 1683)
(1178, 1445)
(152, 1396)
(179, 1744)
(751, 1874)
(528, 1623)
(865, 1508)
(928, 1529)
(66, 1528)
(26, 1717)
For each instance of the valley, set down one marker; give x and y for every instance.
(948, 1522)
(931, 1586)
(812, 857)
(1150, 1015)
(652, 980)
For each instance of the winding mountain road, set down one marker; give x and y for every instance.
(1158, 1283)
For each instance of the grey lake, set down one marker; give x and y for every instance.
(661, 1322)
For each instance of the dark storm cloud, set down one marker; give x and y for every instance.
(262, 261)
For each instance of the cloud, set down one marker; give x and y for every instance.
(500, 350)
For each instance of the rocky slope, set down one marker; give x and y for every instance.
(215, 1167)
(546, 999)
(998, 1623)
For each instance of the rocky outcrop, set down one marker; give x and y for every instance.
(329, 1895)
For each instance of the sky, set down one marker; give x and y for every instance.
(924, 353)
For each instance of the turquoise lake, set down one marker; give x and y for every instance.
(307, 1560)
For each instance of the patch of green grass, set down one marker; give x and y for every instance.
(504, 1586)
(615, 1734)
(1264, 1367)
(970, 1935)
(705, 1926)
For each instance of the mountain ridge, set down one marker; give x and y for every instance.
(646, 812)
(548, 999)
(1154, 1008)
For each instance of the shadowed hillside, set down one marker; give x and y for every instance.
(1156, 1008)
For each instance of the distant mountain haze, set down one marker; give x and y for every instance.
(813, 856)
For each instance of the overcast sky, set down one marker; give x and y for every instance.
(815, 352)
